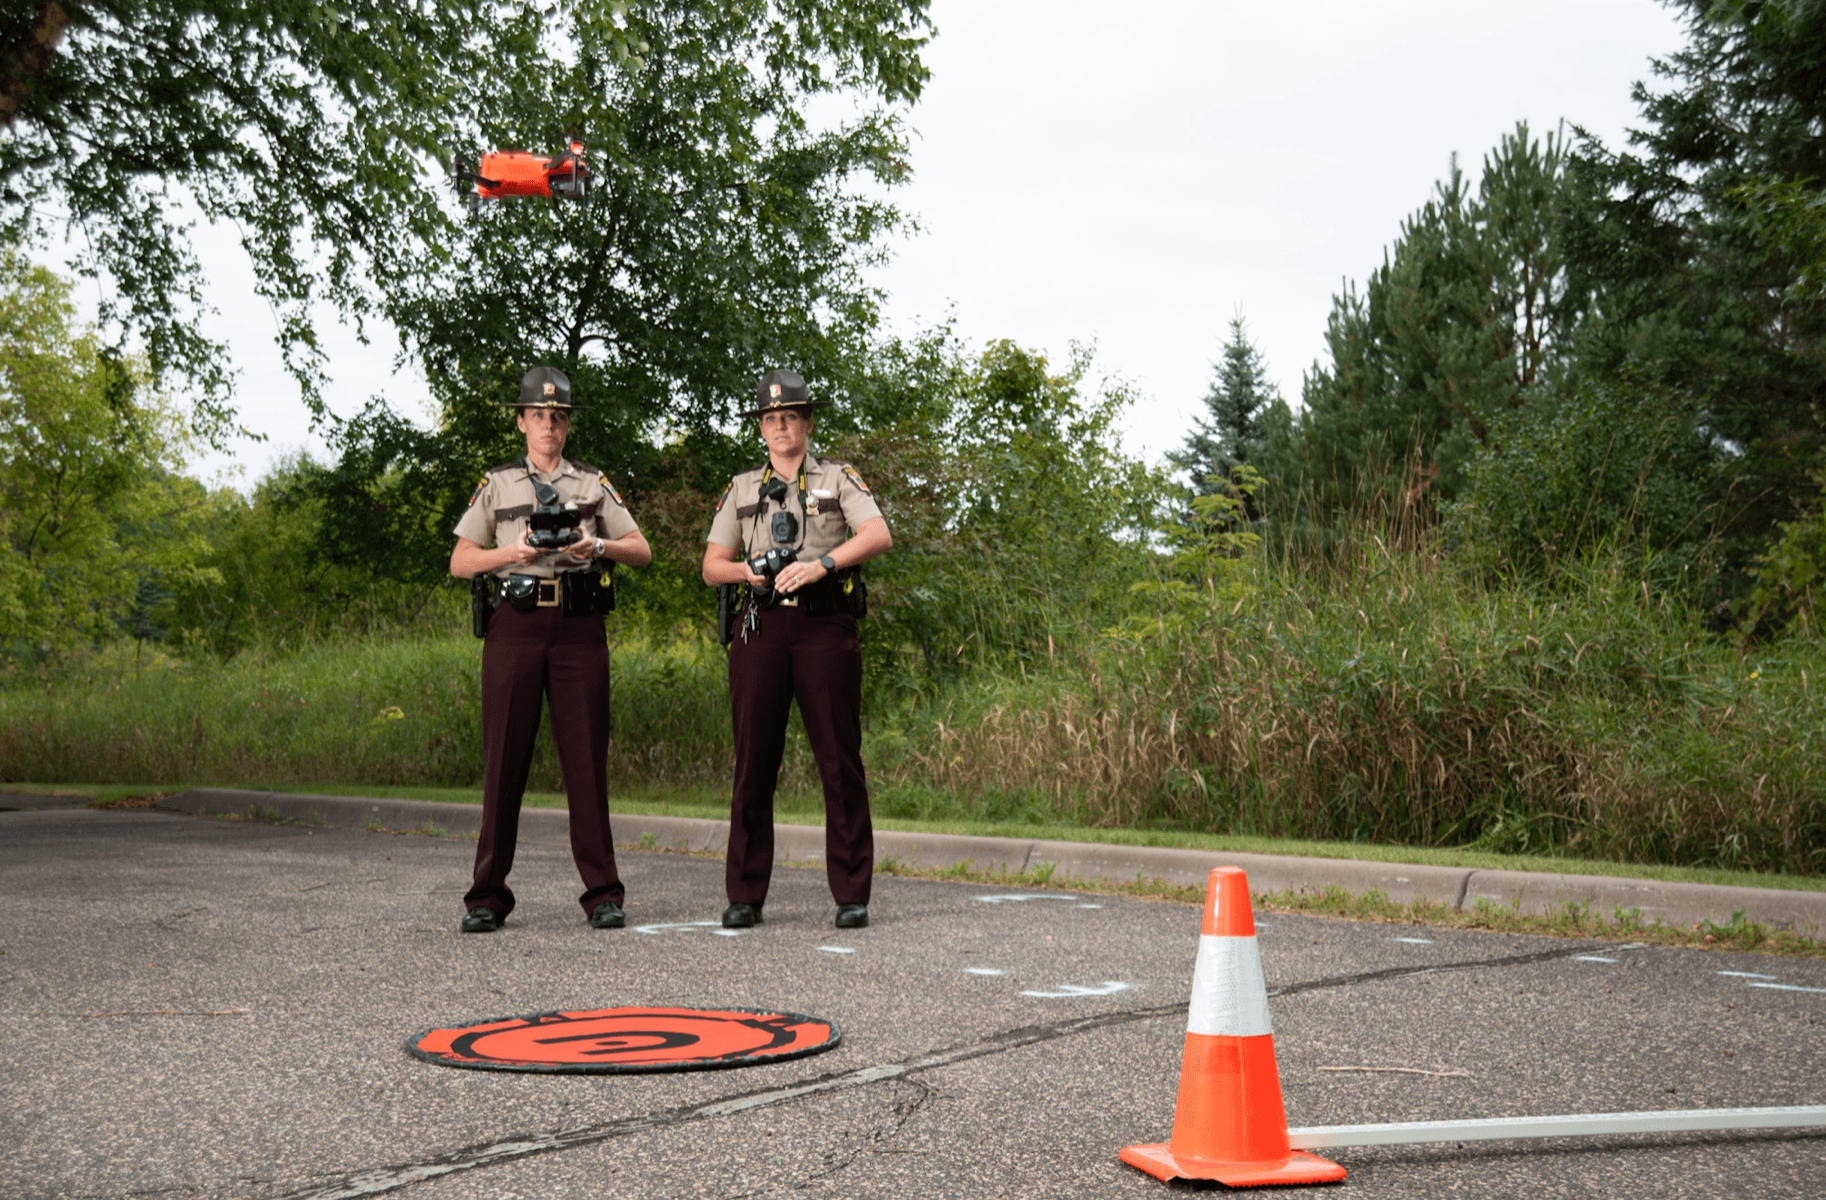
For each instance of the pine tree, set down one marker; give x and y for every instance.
(1701, 238)
(1239, 397)
(1470, 317)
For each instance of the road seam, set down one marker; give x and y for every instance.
(376, 1181)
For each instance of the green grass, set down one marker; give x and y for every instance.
(1375, 705)
(1573, 920)
(712, 804)
(388, 712)
(1386, 700)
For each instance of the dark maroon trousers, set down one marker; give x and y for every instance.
(529, 656)
(816, 661)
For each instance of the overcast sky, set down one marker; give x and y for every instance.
(1133, 176)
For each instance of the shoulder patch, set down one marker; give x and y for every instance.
(850, 473)
(610, 489)
(477, 494)
(723, 499)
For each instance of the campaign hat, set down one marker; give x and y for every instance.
(782, 388)
(545, 387)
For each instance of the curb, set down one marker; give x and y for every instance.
(1673, 904)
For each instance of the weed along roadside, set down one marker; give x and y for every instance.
(1404, 712)
(1723, 916)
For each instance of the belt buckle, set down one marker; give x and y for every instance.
(789, 602)
(548, 593)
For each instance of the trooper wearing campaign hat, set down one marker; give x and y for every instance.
(546, 387)
(790, 535)
(545, 642)
(782, 390)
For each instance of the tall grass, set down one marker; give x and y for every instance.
(390, 712)
(1374, 695)
(1370, 692)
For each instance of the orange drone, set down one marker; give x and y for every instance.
(522, 173)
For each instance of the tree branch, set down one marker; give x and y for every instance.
(24, 63)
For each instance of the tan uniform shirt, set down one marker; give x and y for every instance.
(501, 509)
(835, 499)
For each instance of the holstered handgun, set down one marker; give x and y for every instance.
(728, 609)
(481, 602)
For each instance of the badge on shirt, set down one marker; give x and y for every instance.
(476, 495)
(857, 480)
(610, 489)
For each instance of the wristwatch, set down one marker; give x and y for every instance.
(828, 563)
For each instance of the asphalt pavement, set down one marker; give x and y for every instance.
(219, 1007)
(1678, 904)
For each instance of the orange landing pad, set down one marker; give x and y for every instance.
(612, 1041)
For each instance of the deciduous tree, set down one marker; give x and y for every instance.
(88, 456)
(740, 167)
(311, 128)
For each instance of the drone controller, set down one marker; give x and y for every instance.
(555, 525)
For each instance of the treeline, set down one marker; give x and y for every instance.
(1019, 523)
(1535, 564)
(1580, 349)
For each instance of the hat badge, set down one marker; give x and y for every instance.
(551, 389)
(773, 391)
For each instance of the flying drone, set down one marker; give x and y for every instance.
(522, 173)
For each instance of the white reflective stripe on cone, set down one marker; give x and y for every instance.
(1229, 996)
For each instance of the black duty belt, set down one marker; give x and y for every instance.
(584, 593)
(581, 593)
(543, 592)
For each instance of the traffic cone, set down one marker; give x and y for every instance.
(1230, 1125)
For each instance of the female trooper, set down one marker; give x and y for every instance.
(540, 525)
(794, 530)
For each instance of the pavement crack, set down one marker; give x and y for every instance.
(167, 921)
(899, 1113)
(840, 1160)
(375, 1181)
(1511, 960)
